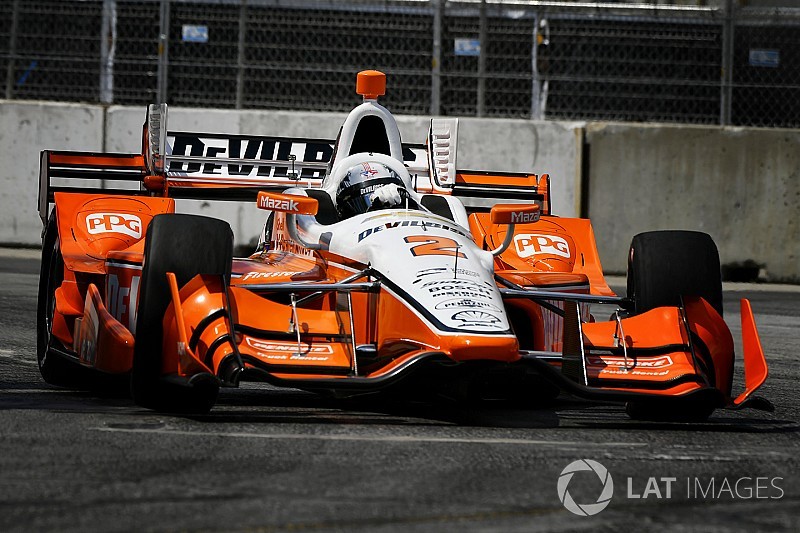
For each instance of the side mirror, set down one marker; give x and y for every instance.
(293, 204)
(512, 214)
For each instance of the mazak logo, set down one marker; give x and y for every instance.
(524, 218)
(124, 223)
(585, 509)
(528, 244)
(281, 205)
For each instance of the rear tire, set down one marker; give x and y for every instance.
(186, 245)
(665, 265)
(54, 367)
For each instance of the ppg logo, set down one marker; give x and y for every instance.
(114, 223)
(528, 244)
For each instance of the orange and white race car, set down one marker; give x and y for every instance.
(382, 267)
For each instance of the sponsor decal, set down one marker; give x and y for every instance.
(464, 303)
(254, 148)
(260, 150)
(121, 301)
(368, 171)
(440, 287)
(465, 272)
(530, 244)
(616, 361)
(282, 242)
(433, 245)
(288, 350)
(649, 373)
(283, 205)
(268, 275)
(410, 224)
(524, 218)
(97, 223)
(476, 318)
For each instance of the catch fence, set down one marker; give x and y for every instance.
(498, 58)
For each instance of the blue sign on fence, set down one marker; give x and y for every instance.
(764, 58)
(468, 47)
(195, 34)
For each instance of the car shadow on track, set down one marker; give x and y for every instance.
(282, 406)
(300, 407)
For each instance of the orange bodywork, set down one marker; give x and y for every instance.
(101, 238)
(208, 327)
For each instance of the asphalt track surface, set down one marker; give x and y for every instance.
(282, 460)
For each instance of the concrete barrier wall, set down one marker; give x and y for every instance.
(741, 186)
(25, 129)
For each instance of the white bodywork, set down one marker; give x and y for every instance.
(430, 262)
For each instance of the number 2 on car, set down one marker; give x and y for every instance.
(431, 245)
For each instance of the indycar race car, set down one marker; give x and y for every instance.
(382, 268)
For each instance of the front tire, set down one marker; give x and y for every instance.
(663, 266)
(185, 245)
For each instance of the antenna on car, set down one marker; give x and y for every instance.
(293, 174)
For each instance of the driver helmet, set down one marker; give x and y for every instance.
(353, 196)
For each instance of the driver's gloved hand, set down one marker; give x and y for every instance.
(388, 195)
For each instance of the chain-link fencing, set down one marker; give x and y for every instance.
(498, 58)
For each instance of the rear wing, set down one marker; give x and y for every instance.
(212, 166)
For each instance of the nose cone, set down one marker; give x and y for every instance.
(371, 84)
(471, 347)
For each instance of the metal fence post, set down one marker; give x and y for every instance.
(436, 63)
(108, 44)
(12, 50)
(482, 60)
(536, 94)
(163, 51)
(726, 87)
(240, 54)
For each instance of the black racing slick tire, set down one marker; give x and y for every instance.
(55, 367)
(186, 245)
(663, 266)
